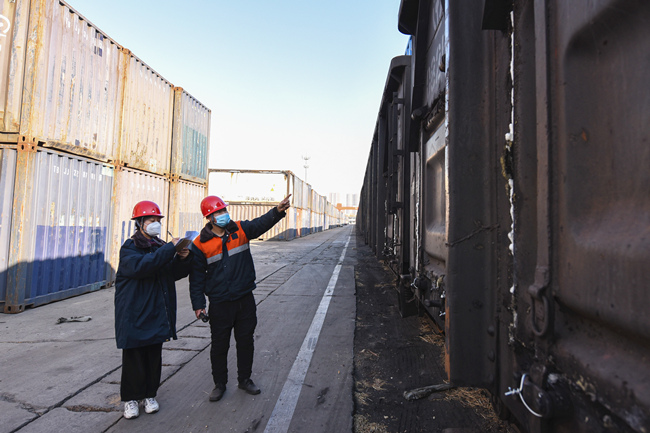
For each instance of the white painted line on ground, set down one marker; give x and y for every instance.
(286, 405)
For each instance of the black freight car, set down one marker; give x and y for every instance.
(508, 187)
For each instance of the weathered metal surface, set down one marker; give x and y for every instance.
(250, 192)
(60, 243)
(130, 187)
(253, 186)
(479, 218)
(297, 200)
(190, 138)
(65, 85)
(184, 208)
(317, 212)
(283, 230)
(73, 86)
(7, 180)
(148, 107)
(14, 18)
(530, 200)
(584, 164)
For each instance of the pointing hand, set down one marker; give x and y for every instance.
(284, 204)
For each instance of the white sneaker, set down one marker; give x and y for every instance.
(151, 405)
(131, 409)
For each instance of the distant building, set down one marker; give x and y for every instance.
(352, 200)
(334, 198)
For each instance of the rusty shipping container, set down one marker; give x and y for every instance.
(72, 92)
(148, 107)
(255, 189)
(59, 227)
(184, 215)
(7, 180)
(67, 85)
(190, 138)
(129, 187)
(253, 186)
(14, 21)
(252, 193)
(283, 230)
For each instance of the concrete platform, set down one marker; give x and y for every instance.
(65, 377)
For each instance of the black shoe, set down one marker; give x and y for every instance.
(248, 386)
(217, 392)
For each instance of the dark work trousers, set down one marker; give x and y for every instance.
(141, 367)
(240, 315)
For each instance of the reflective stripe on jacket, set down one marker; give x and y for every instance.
(223, 268)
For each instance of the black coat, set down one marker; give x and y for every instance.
(145, 292)
(232, 276)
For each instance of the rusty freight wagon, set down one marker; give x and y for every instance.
(508, 188)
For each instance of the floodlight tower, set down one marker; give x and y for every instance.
(306, 165)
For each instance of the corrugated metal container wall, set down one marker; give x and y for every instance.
(190, 138)
(65, 229)
(146, 135)
(130, 187)
(14, 22)
(283, 230)
(297, 198)
(305, 227)
(7, 179)
(249, 186)
(318, 202)
(184, 213)
(72, 90)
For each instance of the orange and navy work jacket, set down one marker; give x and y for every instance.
(222, 268)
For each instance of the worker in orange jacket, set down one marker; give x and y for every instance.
(223, 271)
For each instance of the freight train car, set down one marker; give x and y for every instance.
(508, 188)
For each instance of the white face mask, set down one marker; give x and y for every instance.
(154, 229)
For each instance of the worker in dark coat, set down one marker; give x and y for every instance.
(223, 270)
(145, 306)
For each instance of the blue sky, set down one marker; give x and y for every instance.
(283, 78)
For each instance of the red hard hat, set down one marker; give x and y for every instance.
(146, 208)
(211, 204)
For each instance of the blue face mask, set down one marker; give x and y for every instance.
(221, 220)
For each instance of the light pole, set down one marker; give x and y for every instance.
(306, 165)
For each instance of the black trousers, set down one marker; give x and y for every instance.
(141, 367)
(240, 315)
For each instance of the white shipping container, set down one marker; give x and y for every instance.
(184, 214)
(14, 21)
(146, 133)
(249, 186)
(72, 85)
(284, 230)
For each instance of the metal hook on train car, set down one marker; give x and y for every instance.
(537, 293)
(545, 324)
(521, 395)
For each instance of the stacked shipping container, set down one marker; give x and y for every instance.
(86, 130)
(252, 193)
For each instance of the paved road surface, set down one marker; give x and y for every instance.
(65, 377)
